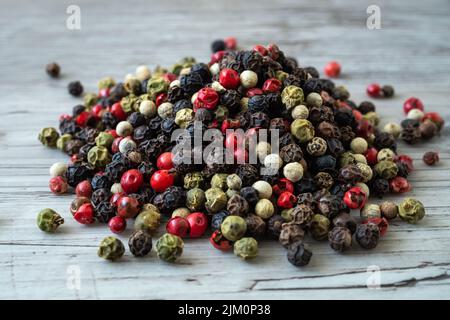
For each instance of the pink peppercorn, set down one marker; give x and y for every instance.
(58, 185)
(117, 224)
(373, 90)
(333, 69)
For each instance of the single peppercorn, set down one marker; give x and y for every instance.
(387, 91)
(291, 232)
(169, 247)
(53, 69)
(48, 137)
(389, 210)
(75, 88)
(111, 249)
(233, 228)
(340, 238)
(299, 254)
(246, 248)
(49, 220)
(430, 158)
(411, 210)
(140, 243)
(367, 235)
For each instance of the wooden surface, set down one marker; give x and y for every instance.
(411, 52)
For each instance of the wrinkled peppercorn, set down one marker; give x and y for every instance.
(367, 235)
(140, 243)
(291, 232)
(340, 238)
(430, 158)
(299, 254)
(75, 88)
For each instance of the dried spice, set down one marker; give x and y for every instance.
(169, 247)
(140, 243)
(411, 210)
(49, 220)
(319, 227)
(290, 233)
(299, 254)
(340, 238)
(367, 235)
(75, 88)
(256, 226)
(111, 249)
(430, 158)
(246, 248)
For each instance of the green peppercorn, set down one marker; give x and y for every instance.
(264, 208)
(195, 199)
(98, 156)
(281, 75)
(130, 103)
(62, 141)
(411, 210)
(319, 227)
(219, 180)
(90, 100)
(233, 227)
(111, 249)
(366, 171)
(148, 220)
(314, 100)
(216, 200)
(106, 83)
(234, 182)
(181, 212)
(287, 214)
(155, 86)
(347, 158)
(132, 85)
(246, 248)
(104, 139)
(194, 180)
(386, 169)
(184, 117)
(292, 96)
(303, 130)
(49, 220)
(48, 137)
(169, 247)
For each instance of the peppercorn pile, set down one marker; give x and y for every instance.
(124, 168)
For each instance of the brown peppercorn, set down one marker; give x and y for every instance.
(345, 220)
(256, 226)
(411, 134)
(329, 205)
(291, 153)
(302, 214)
(428, 129)
(290, 233)
(274, 226)
(327, 130)
(367, 235)
(140, 243)
(299, 254)
(430, 158)
(340, 238)
(306, 199)
(53, 69)
(389, 210)
(237, 206)
(323, 180)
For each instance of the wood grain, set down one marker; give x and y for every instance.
(411, 52)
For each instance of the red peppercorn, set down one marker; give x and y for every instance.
(406, 160)
(357, 114)
(198, 223)
(333, 69)
(115, 198)
(274, 51)
(217, 56)
(104, 93)
(97, 111)
(117, 111)
(83, 118)
(161, 98)
(283, 185)
(85, 214)
(165, 161)
(399, 185)
(254, 92)
(229, 78)
(58, 185)
(286, 200)
(412, 103)
(112, 132)
(371, 156)
(220, 242)
(364, 128)
(115, 144)
(161, 180)
(169, 77)
(84, 189)
(117, 224)
(355, 198)
(230, 43)
(65, 116)
(178, 226)
(207, 98)
(131, 180)
(127, 207)
(435, 117)
(373, 90)
(382, 224)
(271, 85)
(261, 50)
(234, 139)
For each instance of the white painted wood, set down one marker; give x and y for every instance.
(411, 52)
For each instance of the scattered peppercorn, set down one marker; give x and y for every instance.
(411, 210)
(169, 247)
(75, 88)
(140, 243)
(299, 254)
(111, 249)
(53, 69)
(430, 158)
(246, 248)
(49, 220)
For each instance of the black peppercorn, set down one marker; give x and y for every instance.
(346, 220)
(203, 70)
(259, 120)
(251, 195)
(116, 168)
(68, 126)
(258, 103)
(306, 184)
(78, 109)
(136, 119)
(248, 174)
(73, 146)
(173, 198)
(274, 226)
(366, 107)
(306, 199)
(340, 239)
(312, 72)
(101, 181)
(140, 243)
(387, 91)
(367, 235)
(291, 153)
(76, 173)
(108, 120)
(217, 219)
(380, 187)
(329, 205)
(75, 88)
(324, 163)
(100, 195)
(53, 69)
(410, 123)
(411, 135)
(175, 94)
(104, 211)
(350, 174)
(232, 100)
(299, 254)
(302, 214)
(256, 227)
(191, 83)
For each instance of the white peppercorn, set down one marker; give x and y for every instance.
(143, 73)
(314, 100)
(165, 110)
(359, 145)
(293, 171)
(385, 154)
(147, 108)
(214, 69)
(273, 162)
(264, 189)
(300, 112)
(370, 210)
(124, 129)
(249, 79)
(263, 149)
(116, 188)
(234, 182)
(174, 83)
(264, 208)
(127, 144)
(415, 114)
(393, 128)
(58, 169)
(217, 86)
